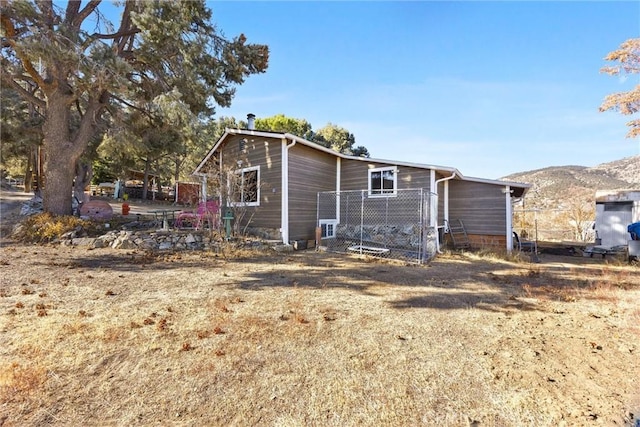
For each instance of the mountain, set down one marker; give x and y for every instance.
(553, 186)
(560, 205)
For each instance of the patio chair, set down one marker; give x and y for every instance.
(207, 213)
(523, 245)
(526, 246)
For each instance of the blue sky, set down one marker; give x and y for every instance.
(490, 88)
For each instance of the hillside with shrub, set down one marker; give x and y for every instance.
(561, 202)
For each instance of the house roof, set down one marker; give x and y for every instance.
(518, 188)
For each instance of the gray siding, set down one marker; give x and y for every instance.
(266, 153)
(354, 175)
(405, 207)
(481, 207)
(310, 172)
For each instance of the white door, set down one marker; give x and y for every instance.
(612, 220)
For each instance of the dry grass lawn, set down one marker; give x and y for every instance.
(105, 337)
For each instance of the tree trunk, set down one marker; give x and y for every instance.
(84, 173)
(58, 184)
(176, 172)
(60, 149)
(28, 174)
(60, 155)
(145, 179)
(39, 157)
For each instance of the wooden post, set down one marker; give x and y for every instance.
(318, 236)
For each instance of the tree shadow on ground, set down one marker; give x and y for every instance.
(129, 261)
(452, 283)
(496, 302)
(449, 282)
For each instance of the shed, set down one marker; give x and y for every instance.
(615, 210)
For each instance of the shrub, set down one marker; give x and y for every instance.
(46, 227)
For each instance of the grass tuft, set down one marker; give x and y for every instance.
(17, 382)
(46, 227)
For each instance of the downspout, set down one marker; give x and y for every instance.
(284, 211)
(338, 179)
(446, 205)
(509, 219)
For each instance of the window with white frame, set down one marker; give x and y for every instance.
(247, 192)
(383, 181)
(328, 227)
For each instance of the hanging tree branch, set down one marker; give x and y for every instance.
(29, 96)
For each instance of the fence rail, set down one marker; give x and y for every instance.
(386, 226)
(553, 225)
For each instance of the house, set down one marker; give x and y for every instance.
(284, 174)
(615, 210)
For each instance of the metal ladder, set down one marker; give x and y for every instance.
(458, 235)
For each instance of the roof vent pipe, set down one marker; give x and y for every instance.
(251, 121)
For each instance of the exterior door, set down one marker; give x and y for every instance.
(612, 219)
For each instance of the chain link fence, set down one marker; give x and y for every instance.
(387, 226)
(554, 225)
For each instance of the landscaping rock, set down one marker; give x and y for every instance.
(83, 241)
(32, 207)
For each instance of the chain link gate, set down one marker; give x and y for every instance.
(391, 226)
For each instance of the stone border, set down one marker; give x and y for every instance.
(145, 240)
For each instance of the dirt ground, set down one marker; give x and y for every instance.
(108, 337)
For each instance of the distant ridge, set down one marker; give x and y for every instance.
(554, 185)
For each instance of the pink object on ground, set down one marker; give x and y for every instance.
(97, 209)
(207, 211)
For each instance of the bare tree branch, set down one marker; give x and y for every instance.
(128, 104)
(10, 33)
(29, 96)
(115, 35)
(46, 6)
(72, 10)
(84, 13)
(627, 103)
(125, 26)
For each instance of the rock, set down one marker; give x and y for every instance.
(128, 244)
(149, 244)
(17, 229)
(123, 242)
(69, 235)
(165, 245)
(83, 241)
(190, 239)
(32, 207)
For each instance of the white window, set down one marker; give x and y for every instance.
(328, 227)
(383, 181)
(247, 191)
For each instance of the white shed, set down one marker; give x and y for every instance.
(615, 210)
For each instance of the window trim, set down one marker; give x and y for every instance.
(242, 172)
(382, 192)
(328, 222)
